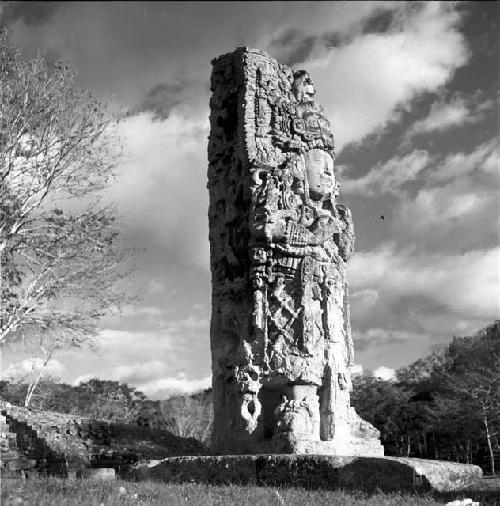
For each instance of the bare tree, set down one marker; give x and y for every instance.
(61, 261)
(471, 372)
(42, 345)
(190, 415)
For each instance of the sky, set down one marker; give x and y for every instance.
(411, 90)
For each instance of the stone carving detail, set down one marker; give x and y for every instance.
(279, 241)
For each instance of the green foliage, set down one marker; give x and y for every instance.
(470, 374)
(61, 259)
(60, 256)
(190, 415)
(111, 400)
(444, 406)
(95, 398)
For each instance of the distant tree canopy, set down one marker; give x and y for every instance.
(95, 398)
(444, 406)
(61, 260)
(190, 415)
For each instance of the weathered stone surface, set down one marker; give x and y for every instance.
(280, 331)
(64, 444)
(315, 471)
(101, 473)
(18, 464)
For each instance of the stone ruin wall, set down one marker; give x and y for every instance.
(280, 335)
(56, 443)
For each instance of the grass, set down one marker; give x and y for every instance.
(80, 492)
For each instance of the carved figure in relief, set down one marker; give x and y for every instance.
(309, 238)
(280, 334)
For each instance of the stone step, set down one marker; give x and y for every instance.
(18, 464)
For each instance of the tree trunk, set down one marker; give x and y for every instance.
(436, 454)
(488, 442)
(33, 384)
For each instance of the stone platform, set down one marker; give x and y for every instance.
(315, 471)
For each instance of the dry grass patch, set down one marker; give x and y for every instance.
(77, 492)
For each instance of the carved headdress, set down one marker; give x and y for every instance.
(303, 86)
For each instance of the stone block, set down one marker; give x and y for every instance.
(101, 473)
(315, 471)
(17, 464)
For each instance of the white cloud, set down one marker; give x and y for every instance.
(125, 340)
(455, 194)
(191, 322)
(393, 347)
(369, 296)
(484, 158)
(444, 115)
(128, 346)
(136, 310)
(138, 373)
(157, 286)
(164, 387)
(171, 335)
(389, 176)
(435, 210)
(384, 373)
(362, 82)
(447, 215)
(30, 367)
(465, 284)
(356, 369)
(363, 301)
(84, 378)
(152, 361)
(152, 378)
(162, 191)
(322, 18)
(378, 335)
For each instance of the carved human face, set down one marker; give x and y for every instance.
(304, 88)
(320, 175)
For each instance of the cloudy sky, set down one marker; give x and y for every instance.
(412, 93)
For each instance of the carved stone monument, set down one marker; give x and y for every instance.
(280, 334)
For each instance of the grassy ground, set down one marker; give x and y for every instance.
(76, 492)
(86, 492)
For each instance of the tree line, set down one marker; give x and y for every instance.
(183, 415)
(444, 406)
